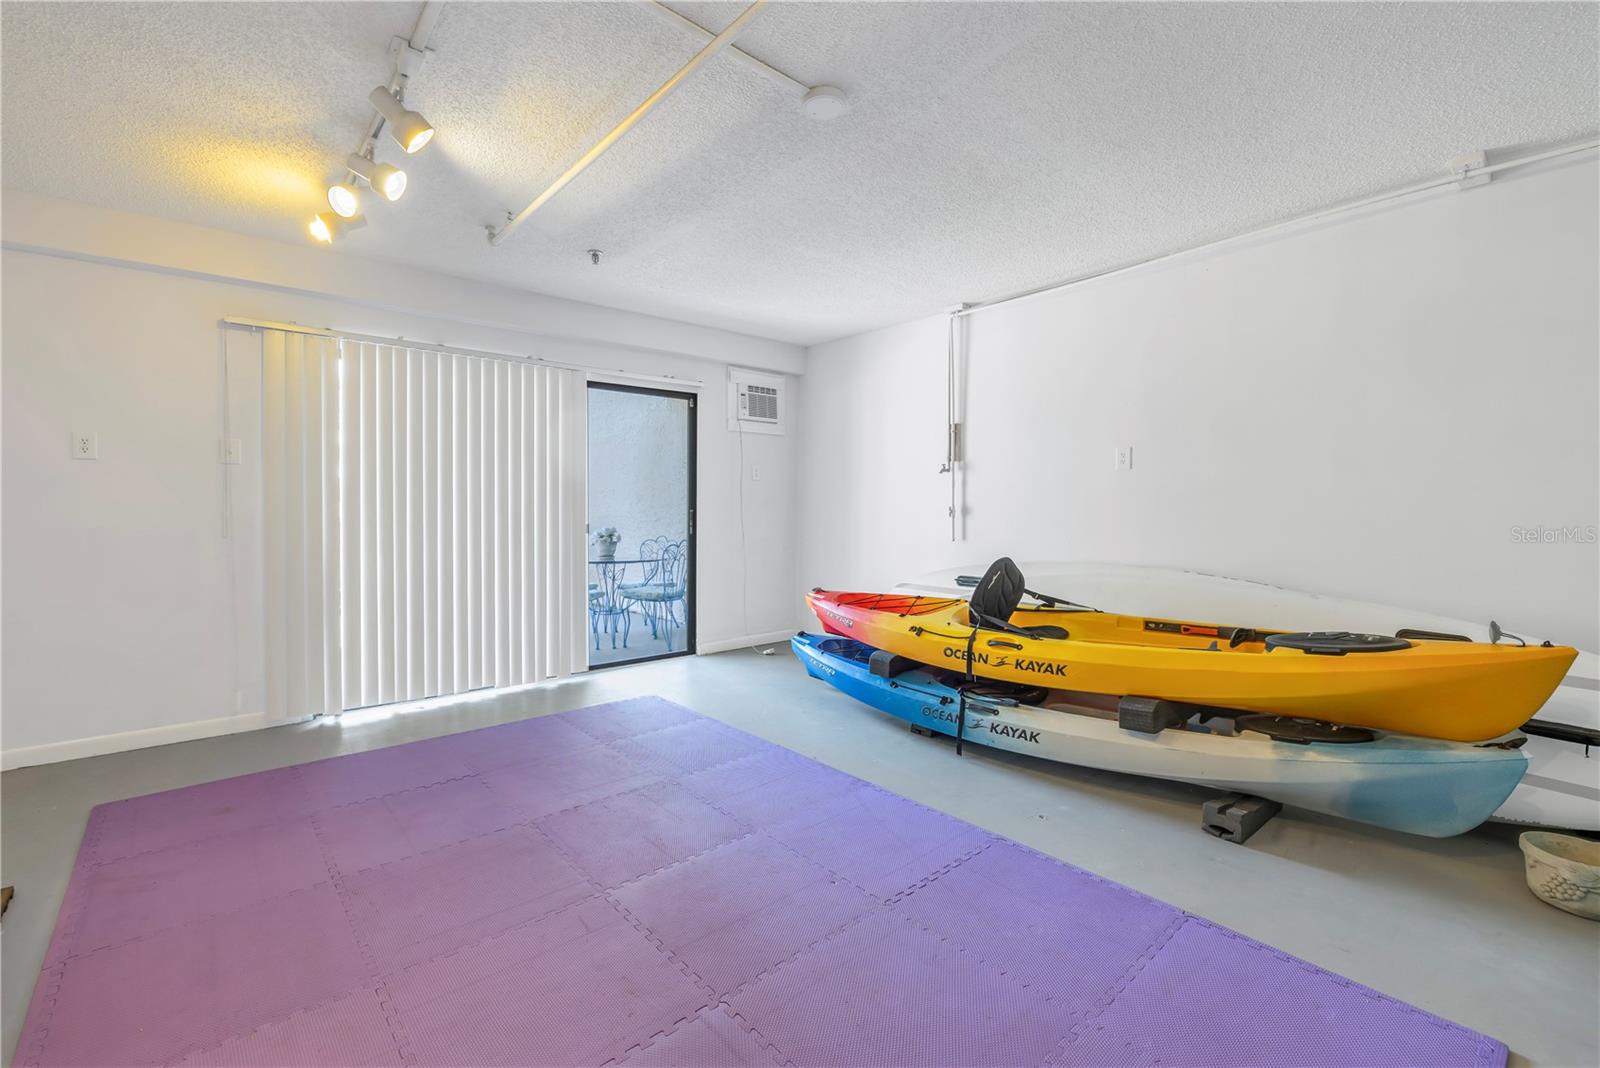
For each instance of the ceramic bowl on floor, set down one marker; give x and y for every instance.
(1564, 871)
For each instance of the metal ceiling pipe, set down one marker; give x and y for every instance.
(715, 45)
(739, 54)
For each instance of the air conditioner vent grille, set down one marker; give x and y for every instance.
(761, 402)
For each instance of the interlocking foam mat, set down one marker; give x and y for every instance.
(635, 884)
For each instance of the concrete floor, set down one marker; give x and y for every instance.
(1447, 925)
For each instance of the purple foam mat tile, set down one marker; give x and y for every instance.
(625, 719)
(173, 817)
(1046, 925)
(626, 836)
(697, 745)
(356, 777)
(138, 895)
(796, 798)
(734, 912)
(880, 842)
(351, 1031)
(499, 948)
(581, 986)
(387, 829)
(1209, 996)
(886, 992)
(550, 784)
(541, 737)
(712, 1039)
(751, 772)
(159, 998)
(436, 902)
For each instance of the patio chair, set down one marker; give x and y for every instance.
(659, 599)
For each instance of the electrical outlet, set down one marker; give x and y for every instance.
(1124, 457)
(85, 446)
(230, 451)
(755, 472)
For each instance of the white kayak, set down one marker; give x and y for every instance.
(1562, 785)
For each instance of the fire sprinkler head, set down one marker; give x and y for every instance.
(594, 256)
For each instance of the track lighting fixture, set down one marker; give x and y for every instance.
(327, 227)
(344, 199)
(409, 130)
(388, 180)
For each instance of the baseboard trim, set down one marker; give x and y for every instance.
(771, 637)
(121, 742)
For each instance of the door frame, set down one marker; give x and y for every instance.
(692, 503)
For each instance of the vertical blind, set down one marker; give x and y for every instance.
(448, 525)
(302, 567)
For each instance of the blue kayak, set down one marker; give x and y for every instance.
(1422, 786)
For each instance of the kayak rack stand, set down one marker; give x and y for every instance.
(1235, 817)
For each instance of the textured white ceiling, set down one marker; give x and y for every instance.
(989, 147)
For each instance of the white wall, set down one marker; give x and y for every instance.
(1367, 409)
(119, 618)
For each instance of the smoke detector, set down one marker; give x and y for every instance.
(825, 102)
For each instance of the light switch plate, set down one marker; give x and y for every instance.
(1124, 457)
(230, 451)
(85, 445)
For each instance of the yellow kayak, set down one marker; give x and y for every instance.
(1461, 690)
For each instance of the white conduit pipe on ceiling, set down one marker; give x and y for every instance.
(715, 45)
(1462, 177)
(766, 69)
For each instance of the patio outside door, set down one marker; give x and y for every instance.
(641, 524)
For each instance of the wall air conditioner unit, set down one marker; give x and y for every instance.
(757, 401)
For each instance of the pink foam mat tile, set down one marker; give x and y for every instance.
(190, 813)
(350, 1031)
(1209, 996)
(386, 829)
(162, 997)
(435, 902)
(541, 737)
(548, 784)
(623, 837)
(144, 893)
(581, 986)
(628, 718)
(881, 843)
(696, 745)
(733, 912)
(712, 1039)
(1006, 905)
(886, 992)
(356, 777)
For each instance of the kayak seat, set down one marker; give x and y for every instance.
(1336, 642)
(997, 596)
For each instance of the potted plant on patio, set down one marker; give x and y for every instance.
(605, 543)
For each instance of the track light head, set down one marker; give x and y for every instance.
(344, 199)
(410, 130)
(388, 180)
(327, 227)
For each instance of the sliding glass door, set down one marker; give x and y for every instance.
(641, 524)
